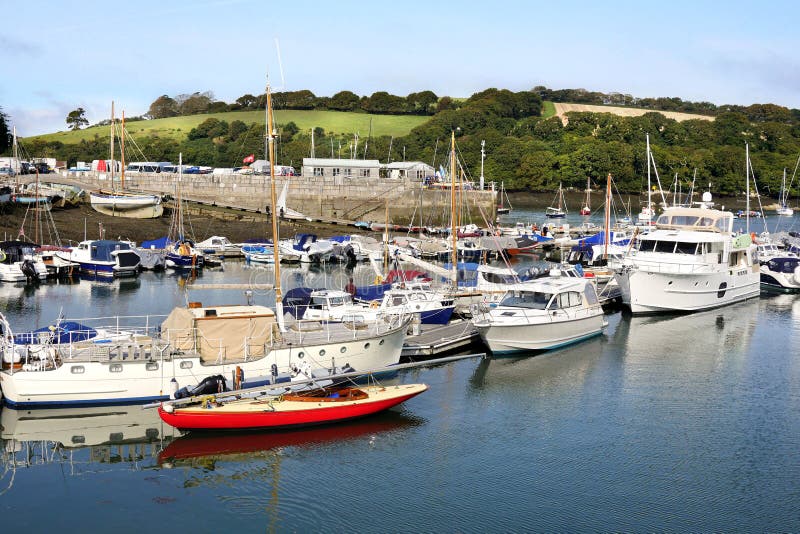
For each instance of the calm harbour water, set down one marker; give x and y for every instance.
(680, 423)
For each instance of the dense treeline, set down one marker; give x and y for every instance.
(524, 150)
(381, 102)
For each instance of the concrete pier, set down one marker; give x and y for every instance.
(339, 198)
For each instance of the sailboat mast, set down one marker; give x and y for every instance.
(275, 236)
(112, 145)
(453, 229)
(649, 193)
(16, 162)
(122, 151)
(747, 185)
(608, 214)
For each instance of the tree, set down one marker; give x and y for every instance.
(5, 133)
(196, 103)
(344, 101)
(247, 101)
(163, 107)
(77, 118)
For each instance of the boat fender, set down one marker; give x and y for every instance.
(238, 378)
(173, 384)
(2, 256)
(274, 372)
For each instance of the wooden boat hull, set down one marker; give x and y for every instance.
(279, 412)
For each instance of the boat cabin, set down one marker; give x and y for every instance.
(696, 219)
(551, 295)
(221, 333)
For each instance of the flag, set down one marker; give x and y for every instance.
(249, 159)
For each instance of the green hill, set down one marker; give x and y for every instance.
(331, 121)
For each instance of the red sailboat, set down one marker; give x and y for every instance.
(315, 407)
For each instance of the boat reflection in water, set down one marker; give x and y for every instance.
(202, 449)
(118, 434)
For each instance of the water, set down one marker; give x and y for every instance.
(680, 423)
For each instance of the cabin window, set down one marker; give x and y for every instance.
(647, 246)
(348, 173)
(337, 171)
(686, 248)
(343, 350)
(78, 440)
(665, 246)
(319, 171)
(381, 342)
(301, 355)
(77, 369)
(531, 300)
(186, 365)
(115, 368)
(151, 366)
(366, 346)
(569, 299)
(364, 173)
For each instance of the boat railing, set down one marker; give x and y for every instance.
(675, 267)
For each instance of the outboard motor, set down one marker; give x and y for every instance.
(29, 270)
(209, 385)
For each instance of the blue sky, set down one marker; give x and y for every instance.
(56, 56)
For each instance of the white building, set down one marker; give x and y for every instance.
(414, 170)
(340, 168)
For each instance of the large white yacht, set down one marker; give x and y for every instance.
(692, 261)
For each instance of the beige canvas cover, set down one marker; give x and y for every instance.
(221, 333)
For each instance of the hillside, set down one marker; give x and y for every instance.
(331, 121)
(561, 109)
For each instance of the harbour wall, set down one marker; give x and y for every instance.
(340, 198)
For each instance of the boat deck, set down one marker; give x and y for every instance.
(435, 340)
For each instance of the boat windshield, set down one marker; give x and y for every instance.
(527, 299)
(783, 265)
(499, 278)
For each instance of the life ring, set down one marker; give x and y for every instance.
(374, 304)
(2, 256)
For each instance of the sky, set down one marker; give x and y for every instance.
(56, 56)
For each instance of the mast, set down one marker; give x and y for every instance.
(112, 145)
(275, 236)
(122, 150)
(588, 192)
(607, 217)
(386, 237)
(649, 193)
(15, 153)
(747, 185)
(453, 229)
(38, 211)
(483, 154)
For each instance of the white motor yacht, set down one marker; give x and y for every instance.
(692, 261)
(541, 315)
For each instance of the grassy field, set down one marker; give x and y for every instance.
(548, 109)
(330, 121)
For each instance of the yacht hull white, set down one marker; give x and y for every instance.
(535, 336)
(649, 292)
